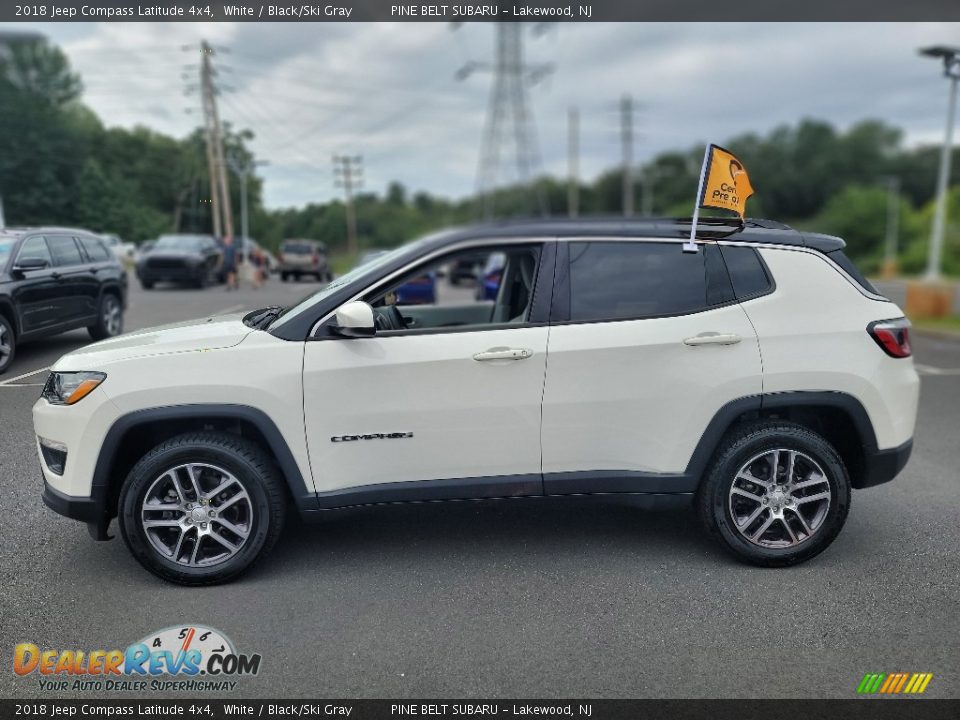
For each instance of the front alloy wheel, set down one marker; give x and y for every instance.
(197, 515)
(201, 508)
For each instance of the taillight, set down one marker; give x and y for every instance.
(279, 257)
(893, 336)
(316, 259)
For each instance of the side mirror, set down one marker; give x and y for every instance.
(34, 263)
(355, 319)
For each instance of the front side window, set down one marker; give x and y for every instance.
(469, 288)
(35, 248)
(64, 250)
(629, 280)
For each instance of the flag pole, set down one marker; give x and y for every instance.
(691, 245)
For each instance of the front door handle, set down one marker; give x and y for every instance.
(503, 353)
(55, 275)
(712, 338)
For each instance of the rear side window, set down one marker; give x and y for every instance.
(298, 248)
(747, 273)
(626, 280)
(95, 249)
(840, 258)
(64, 250)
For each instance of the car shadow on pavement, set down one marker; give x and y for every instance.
(488, 531)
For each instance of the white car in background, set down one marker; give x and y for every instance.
(123, 251)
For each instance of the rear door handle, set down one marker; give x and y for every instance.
(55, 275)
(712, 338)
(499, 353)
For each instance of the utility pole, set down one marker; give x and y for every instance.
(206, 99)
(348, 174)
(244, 170)
(626, 140)
(573, 159)
(508, 101)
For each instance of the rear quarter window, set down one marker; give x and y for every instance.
(841, 259)
(747, 272)
(95, 249)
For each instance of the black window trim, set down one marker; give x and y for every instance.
(541, 299)
(560, 310)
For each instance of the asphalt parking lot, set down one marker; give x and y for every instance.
(516, 598)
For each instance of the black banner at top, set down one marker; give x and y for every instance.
(534, 10)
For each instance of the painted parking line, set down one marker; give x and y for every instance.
(20, 385)
(10, 381)
(931, 370)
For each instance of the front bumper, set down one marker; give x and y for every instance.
(91, 510)
(884, 465)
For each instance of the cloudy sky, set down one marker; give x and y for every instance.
(388, 92)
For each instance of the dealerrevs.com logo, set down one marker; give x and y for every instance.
(195, 657)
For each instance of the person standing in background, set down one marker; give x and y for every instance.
(230, 263)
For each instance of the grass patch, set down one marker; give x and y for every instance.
(951, 323)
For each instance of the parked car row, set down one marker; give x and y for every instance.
(57, 279)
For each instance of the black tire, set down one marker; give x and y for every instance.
(284, 277)
(8, 344)
(104, 327)
(751, 442)
(296, 277)
(146, 284)
(253, 469)
(202, 280)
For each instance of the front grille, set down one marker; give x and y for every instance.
(166, 264)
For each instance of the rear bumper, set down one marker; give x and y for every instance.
(884, 465)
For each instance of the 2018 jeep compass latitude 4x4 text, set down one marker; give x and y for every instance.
(760, 378)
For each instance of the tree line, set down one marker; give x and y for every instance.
(60, 164)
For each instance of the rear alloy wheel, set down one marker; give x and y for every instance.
(777, 494)
(8, 344)
(201, 508)
(109, 319)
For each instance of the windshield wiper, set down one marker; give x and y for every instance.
(261, 319)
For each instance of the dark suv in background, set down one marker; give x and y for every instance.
(180, 258)
(57, 279)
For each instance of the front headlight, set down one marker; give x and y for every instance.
(67, 388)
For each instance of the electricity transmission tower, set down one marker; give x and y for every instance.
(508, 105)
(348, 174)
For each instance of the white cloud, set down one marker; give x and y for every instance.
(387, 90)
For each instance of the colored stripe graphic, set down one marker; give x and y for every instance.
(894, 683)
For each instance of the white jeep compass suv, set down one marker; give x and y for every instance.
(760, 378)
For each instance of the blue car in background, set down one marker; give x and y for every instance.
(488, 284)
(419, 291)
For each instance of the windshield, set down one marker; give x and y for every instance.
(180, 242)
(359, 271)
(6, 247)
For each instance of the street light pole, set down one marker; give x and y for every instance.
(951, 69)
(893, 226)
